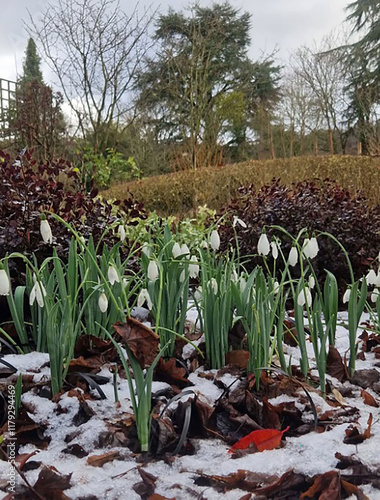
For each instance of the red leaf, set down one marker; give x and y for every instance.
(266, 439)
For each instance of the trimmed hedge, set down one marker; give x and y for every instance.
(181, 193)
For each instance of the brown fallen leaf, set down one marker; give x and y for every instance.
(266, 439)
(369, 399)
(140, 340)
(325, 486)
(50, 483)
(168, 371)
(100, 460)
(353, 436)
(238, 357)
(156, 496)
(146, 487)
(335, 366)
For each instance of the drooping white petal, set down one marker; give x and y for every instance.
(214, 240)
(193, 267)
(276, 287)
(204, 244)
(375, 295)
(32, 296)
(274, 248)
(5, 285)
(377, 280)
(238, 221)
(146, 250)
(314, 248)
(112, 275)
(40, 294)
(293, 256)
(263, 246)
(103, 302)
(214, 285)
(152, 270)
(304, 297)
(45, 230)
(176, 250)
(144, 297)
(346, 296)
(185, 250)
(121, 232)
(311, 281)
(371, 277)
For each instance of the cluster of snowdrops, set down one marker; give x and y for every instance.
(94, 288)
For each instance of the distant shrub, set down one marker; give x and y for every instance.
(181, 193)
(318, 207)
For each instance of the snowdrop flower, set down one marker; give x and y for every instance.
(176, 250)
(242, 283)
(310, 247)
(198, 294)
(214, 285)
(38, 293)
(45, 230)
(152, 270)
(234, 276)
(276, 287)
(293, 256)
(214, 240)
(375, 295)
(146, 250)
(124, 283)
(103, 302)
(144, 297)
(121, 232)
(274, 248)
(311, 282)
(304, 297)
(82, 240)
(346, 296)
(238, 221)
(112, 275)
(263, 246)
(5, 285)
(185, 250)
(204, 244)
(371, 277)
(193, 267)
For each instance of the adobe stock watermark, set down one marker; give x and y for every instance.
(11, 438)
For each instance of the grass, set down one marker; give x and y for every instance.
(180, 193)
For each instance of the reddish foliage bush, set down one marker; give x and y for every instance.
(28, 188)
(317, 206)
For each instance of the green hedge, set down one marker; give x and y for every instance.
(181, 193)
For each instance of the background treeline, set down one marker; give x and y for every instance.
(145, 94)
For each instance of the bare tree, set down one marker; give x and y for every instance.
(94, 49)
(324, 72)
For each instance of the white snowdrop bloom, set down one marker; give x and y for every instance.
(112, 275)
(311, 281)
(176, 250)
(276, 287)
(121, 232)
(185, 250)
(204, 244)
(346, 296)
(234, 276)
(82, 240)
(238, 221)
(377, 279)
(152, 270)
(242, 283)
(304, 297)
(5, 284)
(198, 294)
(371, 277)
(144, 297)
(314, 248)
(214, 240)
(38, 293)
(274, 249)
(45, 231)
(103, 302)
(375, 295)
(146, 250)
(193, 267)
(214, 285)
(293, 256)
(263, 246)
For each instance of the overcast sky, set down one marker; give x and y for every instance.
(285, 24)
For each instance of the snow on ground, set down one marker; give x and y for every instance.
(311, 453)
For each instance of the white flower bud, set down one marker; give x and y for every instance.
(45, 230)
(121, 232)
(293, 256)
(263, 246)
(276, 287)
(112, 275)
(5, 285)
(214, 285)
(274, 248)
(152, 270)
(103, 302)
(193, 267)
(346, 296)
(214, 240)
(311, 281)
(239, 221)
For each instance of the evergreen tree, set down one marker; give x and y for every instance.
(31, 64)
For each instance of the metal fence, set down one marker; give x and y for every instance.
(7, 95)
